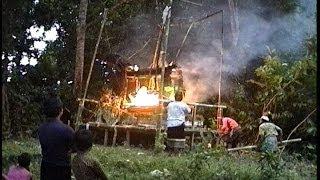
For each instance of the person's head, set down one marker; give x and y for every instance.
(24, 160)
(264, 119)
(269, 115)
(178, 96)
(83, 140)
(53, 107)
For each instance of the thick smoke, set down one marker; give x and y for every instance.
(259, 26)
(201, 60)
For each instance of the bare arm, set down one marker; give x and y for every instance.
(224, 125)
(280, 132)
(188, 109)
(257, 140)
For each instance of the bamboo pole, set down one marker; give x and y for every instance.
(147, 42)
(254, 146)
(81, 104)
(162, 59)
(184, 39)
(197, 4)
(197, 104)
(163, 52)
(154, 63)
(219, 111)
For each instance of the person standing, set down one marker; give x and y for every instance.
(56, 139)
(83, 165)
(230, 131)
(176, 117)
(268, 134)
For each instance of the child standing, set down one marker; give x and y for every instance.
(83, 165)
(20, 171)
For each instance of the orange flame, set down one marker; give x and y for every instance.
(145, 98)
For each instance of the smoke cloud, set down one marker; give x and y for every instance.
(200, 60)
(259, 26)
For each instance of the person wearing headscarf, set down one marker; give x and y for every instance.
(268, 135)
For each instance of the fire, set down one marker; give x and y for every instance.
(145, 98)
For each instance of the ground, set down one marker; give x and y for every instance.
(135, 163)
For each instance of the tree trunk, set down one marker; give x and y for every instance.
(81, 32)
(5, 111)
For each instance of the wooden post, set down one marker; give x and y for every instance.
(164, 45)
(105, 142)
(155, 62)
(219, 111)
(115, 132)
(193, 119)
(162, 59)
(127, 137)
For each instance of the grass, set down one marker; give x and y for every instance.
(135, 163)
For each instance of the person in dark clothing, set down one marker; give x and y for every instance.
(56, 139)
(83, 165)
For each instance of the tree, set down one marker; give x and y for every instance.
(81, 31)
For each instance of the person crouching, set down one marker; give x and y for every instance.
(229, 132)
(267, 138)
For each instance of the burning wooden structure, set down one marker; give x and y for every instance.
(143, 94)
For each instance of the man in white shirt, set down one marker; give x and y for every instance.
(177, 111)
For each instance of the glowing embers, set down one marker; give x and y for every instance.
(144, 98)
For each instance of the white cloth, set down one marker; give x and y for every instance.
(177, 111)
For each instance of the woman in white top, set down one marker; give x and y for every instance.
(177, 111)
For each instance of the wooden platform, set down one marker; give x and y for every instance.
(140, 135)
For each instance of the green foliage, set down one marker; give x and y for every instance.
(293, 84)
(287, 89)
(133, 163)
(159, 142)
(270, 165)
(27, 91)
(294, 89)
